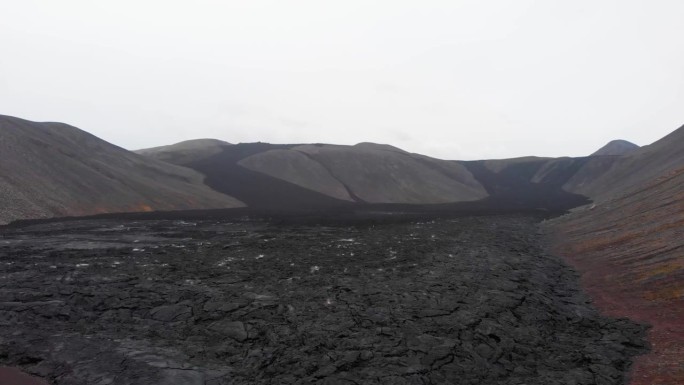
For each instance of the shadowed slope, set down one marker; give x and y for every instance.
(53, 169)
(528, 182)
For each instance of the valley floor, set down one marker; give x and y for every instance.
(470, 300)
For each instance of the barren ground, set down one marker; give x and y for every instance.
(472, 300)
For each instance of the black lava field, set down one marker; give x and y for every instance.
(469, 300)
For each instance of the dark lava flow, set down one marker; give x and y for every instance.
(471, 300)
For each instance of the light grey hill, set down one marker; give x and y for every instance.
(616, 147)
(185, 152)
(53, 169)
(385, 174)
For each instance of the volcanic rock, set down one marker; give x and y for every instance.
(396, 300)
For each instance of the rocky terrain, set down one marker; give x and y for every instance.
(351, 264)
(387, 300)
(53, 169)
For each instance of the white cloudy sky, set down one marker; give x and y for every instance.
(453, 79)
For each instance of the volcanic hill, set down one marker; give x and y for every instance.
(616, 147)
(280, 176)
(53, 169)
(629, 248)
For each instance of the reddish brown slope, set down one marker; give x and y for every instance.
(630, 252)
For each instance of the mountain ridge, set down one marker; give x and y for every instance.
(211, 173)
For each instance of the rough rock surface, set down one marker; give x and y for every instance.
(471, 300)
(53, 169)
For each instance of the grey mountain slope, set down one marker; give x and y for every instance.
(368, 172)
(53, 169)
(298, 168)
(378, 146)
(185, 152)
(384, 175)
(377, 173)
(605, 178)
(616, 147)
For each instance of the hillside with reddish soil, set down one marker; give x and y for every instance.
(630, 252)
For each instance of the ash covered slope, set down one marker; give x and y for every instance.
(53, 169)
(385, 174)
(607, 177)
(529, 182)
(616, 147)
(285, 176)
(185, 152)
(610, 171)
(316, 175)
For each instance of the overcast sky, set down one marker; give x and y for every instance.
(451, 79)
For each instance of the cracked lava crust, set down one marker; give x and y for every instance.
(470, 300)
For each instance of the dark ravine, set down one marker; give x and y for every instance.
(513, 187)
(469, 300)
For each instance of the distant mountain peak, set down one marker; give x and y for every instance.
(186, 151)
(192, 144)
(616, 147)
(378, 146)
